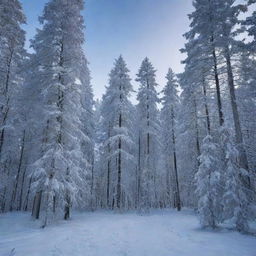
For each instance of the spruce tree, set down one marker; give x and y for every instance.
(235, 198)
(118, 117)
(208, 186)
(149, 135)
(60, 65)
(170, 103)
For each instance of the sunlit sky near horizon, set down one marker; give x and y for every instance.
(133, 28)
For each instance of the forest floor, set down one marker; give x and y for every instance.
(160, 233)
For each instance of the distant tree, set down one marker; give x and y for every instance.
(188, 136)
(149, 135)
(169, 118)
(86, 196)
(119, 158)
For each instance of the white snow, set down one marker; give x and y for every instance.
(160, 233)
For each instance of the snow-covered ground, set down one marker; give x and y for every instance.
(161, 233)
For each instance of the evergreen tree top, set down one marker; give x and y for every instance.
(147, 73)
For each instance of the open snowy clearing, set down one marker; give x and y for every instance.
(161, 233)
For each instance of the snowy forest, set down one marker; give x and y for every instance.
(187, 144)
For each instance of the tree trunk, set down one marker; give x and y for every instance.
(206, 107)
(67, 207)
(5, 187)
(149, 176)
(37, 205)
(108, 172)
(139, 173)
(5, 94)
(118, 189)
(198, 150)
(217, 85)
(22, 189)
(177, 192)
(28, 193)
(2, 135)
(119, 174)
(14, 193)
(92, 183)
(216, 74)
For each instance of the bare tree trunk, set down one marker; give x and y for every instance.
(14, 193)
(216, 74)
(6, 95)
(217, 85)
(108, 172)
(206, 107)
(2, 136)
(37, 205)
(5, 187)
(198, 150)
(92, 184)
(177, 192)
(119, 174)
(149, 176)
(22, 189)
(168, 183)
(67, 207)
(23, 175)
(28, 194)
(118, 189)
(139, 173)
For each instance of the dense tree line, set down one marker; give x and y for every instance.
(190, 145)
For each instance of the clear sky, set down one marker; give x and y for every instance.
(133, 28)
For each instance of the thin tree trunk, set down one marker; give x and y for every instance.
(37, 205)
(118, 189)
(92, 184)
(148, 203)
(206, 108)
(216, 74)
(5, 187)
(22, 189)
(198, 150)
(2, 136)
(5, 94)
(108, 172)
(217, 85)
(119, 175)
(14, 194)
(28, 193)
(139, 173)
(177, 194)
(67, 207)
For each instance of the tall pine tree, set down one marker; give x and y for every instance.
(118, 120)
(149, 136)
(60, 67)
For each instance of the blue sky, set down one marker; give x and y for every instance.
(133, 28)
